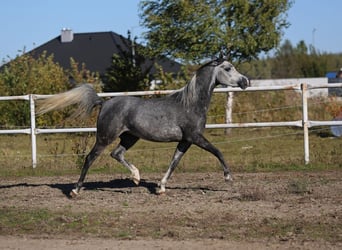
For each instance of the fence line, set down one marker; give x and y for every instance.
(305, 123)
(231, 141)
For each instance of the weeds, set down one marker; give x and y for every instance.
(110, 224)
(80, 148)
(44, 221)
(299, 187)
(55, 148)
(246, 150)
(254, 194)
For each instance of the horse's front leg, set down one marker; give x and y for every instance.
(202, 142)
(182, 147)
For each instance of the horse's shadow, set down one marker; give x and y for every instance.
(117, 185)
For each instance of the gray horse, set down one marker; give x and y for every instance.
(179, 117)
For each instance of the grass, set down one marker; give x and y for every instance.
(300, 187)
(51, 222)
(254, 194)
(108, 224)
(246, 150)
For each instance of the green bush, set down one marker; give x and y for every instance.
(27, 74)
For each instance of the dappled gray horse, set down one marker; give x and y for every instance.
(179, 117)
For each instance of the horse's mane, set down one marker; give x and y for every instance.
(188, 94)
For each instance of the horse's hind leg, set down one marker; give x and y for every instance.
(127, 141)
(94, 153)
(182, 147)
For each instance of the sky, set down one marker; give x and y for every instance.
(29, 24)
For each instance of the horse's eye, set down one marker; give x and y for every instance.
(228, 69)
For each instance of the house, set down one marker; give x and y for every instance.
(96, 49)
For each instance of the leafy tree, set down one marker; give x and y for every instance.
(293, 61)
(194, 30)
(79, 74)
(298, 61)
(123, 75)
(170, 81)
(30, 74)
(257, 69)
(128, 71)
(27, 75)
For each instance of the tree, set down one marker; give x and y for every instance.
(296, 61)
(30, 74)
(128, 71)
(193, 30)
(27, 75)
(292, 62)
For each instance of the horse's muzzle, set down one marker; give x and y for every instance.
(244, 83)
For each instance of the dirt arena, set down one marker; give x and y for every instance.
(283, 210)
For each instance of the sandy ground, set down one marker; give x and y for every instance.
(95, 243)
(288, 210)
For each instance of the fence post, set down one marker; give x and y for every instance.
(229, 110)
(305, 122)
(33, 132)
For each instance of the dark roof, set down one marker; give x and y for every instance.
(96, 49)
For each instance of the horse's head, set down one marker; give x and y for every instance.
(226, 74)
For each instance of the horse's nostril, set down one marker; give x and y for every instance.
(244, 83)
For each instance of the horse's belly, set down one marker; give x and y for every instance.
(167, 134)
(158, 133)
(156, 123)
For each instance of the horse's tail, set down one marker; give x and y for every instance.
(84, 95)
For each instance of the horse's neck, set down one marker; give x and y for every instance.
(204, 88)
(196, 95)
(206, 85)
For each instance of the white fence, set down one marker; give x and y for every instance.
(305, 123)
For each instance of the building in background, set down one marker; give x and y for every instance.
(335, 77)
(95, 50)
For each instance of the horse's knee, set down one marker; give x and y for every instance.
(117, 155)
(113, 155)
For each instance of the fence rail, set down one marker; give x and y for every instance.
(305, 123)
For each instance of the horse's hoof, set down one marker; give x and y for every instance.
(73, 193)
(160, 192)
(135, 177)
(228, 178)
(136, 181)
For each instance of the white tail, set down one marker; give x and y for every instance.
(83, 95)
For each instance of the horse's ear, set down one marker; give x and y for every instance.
(221, 56)
(217, 60)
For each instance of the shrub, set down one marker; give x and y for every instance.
(30, 74)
